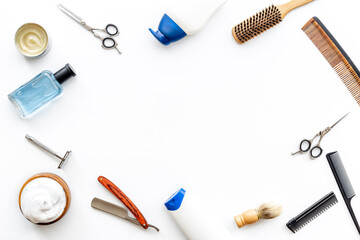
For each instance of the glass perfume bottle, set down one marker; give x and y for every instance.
(40, 91)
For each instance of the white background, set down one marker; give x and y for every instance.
(216, 118)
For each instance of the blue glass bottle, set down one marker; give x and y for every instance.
(40, 91)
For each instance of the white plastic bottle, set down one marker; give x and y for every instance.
(186, 17)
(196, 221)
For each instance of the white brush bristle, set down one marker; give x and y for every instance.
(269, 210)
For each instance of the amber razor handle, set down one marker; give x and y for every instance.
(124, 199)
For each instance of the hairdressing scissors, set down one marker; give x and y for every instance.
(110, 30)
(316, 151)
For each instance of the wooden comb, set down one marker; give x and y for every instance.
(335, 55)
(264, 20)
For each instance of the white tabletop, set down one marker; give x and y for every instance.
(206, 114)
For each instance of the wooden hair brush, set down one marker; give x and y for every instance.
(264, 20)
(265, 211)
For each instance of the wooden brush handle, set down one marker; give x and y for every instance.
(248, 217)
(124, 199)
(287, 7)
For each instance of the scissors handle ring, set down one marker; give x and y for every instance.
(108, 43)
(318, 151)
(305, 145)
(108, 29)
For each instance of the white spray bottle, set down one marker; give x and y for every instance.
(186, 17)
(195, 220)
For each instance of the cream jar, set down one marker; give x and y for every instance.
(44, 198)
(32, 40)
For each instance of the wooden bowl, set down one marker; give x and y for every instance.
(58, 180)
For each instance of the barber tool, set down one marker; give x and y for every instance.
(315, 151)
(195, 217)
(265, 211)
(335, 55)
(312, 212)
(117, 210)
(45, 148)
(264, 20)
(110, 30)
(343, 182)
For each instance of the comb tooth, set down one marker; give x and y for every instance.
(312, 212)
(335, 55)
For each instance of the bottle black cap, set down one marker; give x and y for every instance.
(65, 73)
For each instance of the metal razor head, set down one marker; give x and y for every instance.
(64, 159)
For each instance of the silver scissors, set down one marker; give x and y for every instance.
(316, 151)
(111, 30)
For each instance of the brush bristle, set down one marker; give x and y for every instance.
(269, 210)
(257, 24)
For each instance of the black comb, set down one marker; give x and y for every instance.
(343, 182)
(296, 223)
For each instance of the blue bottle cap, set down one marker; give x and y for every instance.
(168, 31)
(174, 202)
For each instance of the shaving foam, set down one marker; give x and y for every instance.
(42, 200)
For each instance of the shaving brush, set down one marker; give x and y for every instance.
(265, 211)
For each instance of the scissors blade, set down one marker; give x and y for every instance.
(71, 14)
(339, 120)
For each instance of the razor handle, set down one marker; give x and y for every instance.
(124, 199)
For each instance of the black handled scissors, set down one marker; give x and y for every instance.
(110, 30)
(316, 151)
